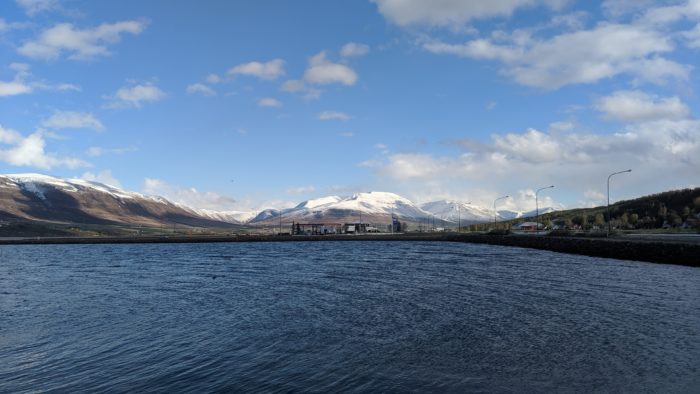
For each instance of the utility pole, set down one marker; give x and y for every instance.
(494, 210)
(608, 207)
(537, 207)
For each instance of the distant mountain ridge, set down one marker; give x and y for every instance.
(45, 198)
(36, 197)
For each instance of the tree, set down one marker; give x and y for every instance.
(686, 213)
(599, 219)
(624, 219)
(634, 218)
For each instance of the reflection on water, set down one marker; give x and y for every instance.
(326, 316)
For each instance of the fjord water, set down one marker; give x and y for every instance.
(356, 316)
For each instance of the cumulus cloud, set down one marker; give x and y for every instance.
(353, 49)
(200, 88)
(30, 151)
(73, 120)
(104, 176)
(322, 71)
(333, 115)
(667, 151)
(81, 44)
(134, 96)
(188, 196)
(583, 56)
(452, 12)
(635, 106)
(269, 102)
(268, 71)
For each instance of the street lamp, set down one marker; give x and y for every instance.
(279, 212)
(459, 216)
(608, 207)
(537, 207)
(494, 210)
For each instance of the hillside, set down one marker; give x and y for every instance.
(671, 209)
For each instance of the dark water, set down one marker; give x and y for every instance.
(343, 316)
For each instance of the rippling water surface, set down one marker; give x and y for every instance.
(355, 316)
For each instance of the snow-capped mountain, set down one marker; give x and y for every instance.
(45, 198)
(36, 197)
(454, 211)
(361, 206)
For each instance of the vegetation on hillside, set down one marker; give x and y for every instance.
(676, 209)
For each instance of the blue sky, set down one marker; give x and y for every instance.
(248, 104)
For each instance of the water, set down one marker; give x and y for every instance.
(343, 316)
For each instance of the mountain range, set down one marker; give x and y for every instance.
(36, 197)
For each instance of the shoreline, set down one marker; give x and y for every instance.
(654, 251)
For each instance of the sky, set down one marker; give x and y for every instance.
(251, 104)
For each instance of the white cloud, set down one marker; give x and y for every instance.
(531, 146)
(353, 49)
(616, 8)
(301, 189)
(269, 102)
(333, 115)
(33, 7)
(452, 12)
(78, 43)
(7, 26)
(322, 71)
(635, 106)
(583, 56)
(73, 120)
(14, 88)
(105, 177)
(30, 151)
(19, 85)
(213, 78)
(693, 37)
(96, 151)
(134, 96)
(268, 71)
(200, 88)
(188, 196)
(293, 86)
(667, 151)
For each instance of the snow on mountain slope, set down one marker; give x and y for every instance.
(34, 183)
(370, 204)
(453, 211)
(226, 216)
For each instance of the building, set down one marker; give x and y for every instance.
(316, 228)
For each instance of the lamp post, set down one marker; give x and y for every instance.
(537, 207)
(459, 216)
(494, 210)
(279, 212)
(608, 206)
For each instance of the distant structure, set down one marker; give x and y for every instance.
(317, 228)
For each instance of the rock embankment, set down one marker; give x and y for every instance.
(683, 253)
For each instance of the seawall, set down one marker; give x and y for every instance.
(682, 253)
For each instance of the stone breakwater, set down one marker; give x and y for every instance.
(682, 253)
